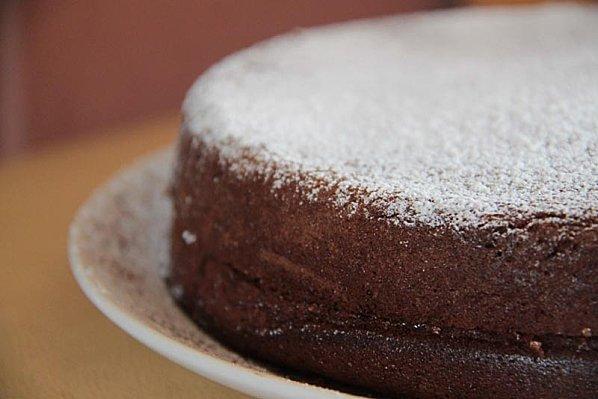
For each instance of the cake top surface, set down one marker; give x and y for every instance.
(450, 118)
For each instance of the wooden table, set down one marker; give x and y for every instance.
(53, 342)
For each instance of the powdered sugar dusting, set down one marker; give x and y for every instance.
(445, 118)
(189, 237)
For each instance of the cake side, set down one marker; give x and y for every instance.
(263, 268)
(537, 279)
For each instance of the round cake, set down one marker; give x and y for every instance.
(405, 205)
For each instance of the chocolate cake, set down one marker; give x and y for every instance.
(407, 205)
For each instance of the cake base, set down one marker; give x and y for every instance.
(392, 360)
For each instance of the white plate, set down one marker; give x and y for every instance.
(118, 248)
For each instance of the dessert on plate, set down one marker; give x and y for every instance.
(407, 205)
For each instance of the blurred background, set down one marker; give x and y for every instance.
(72, 68)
